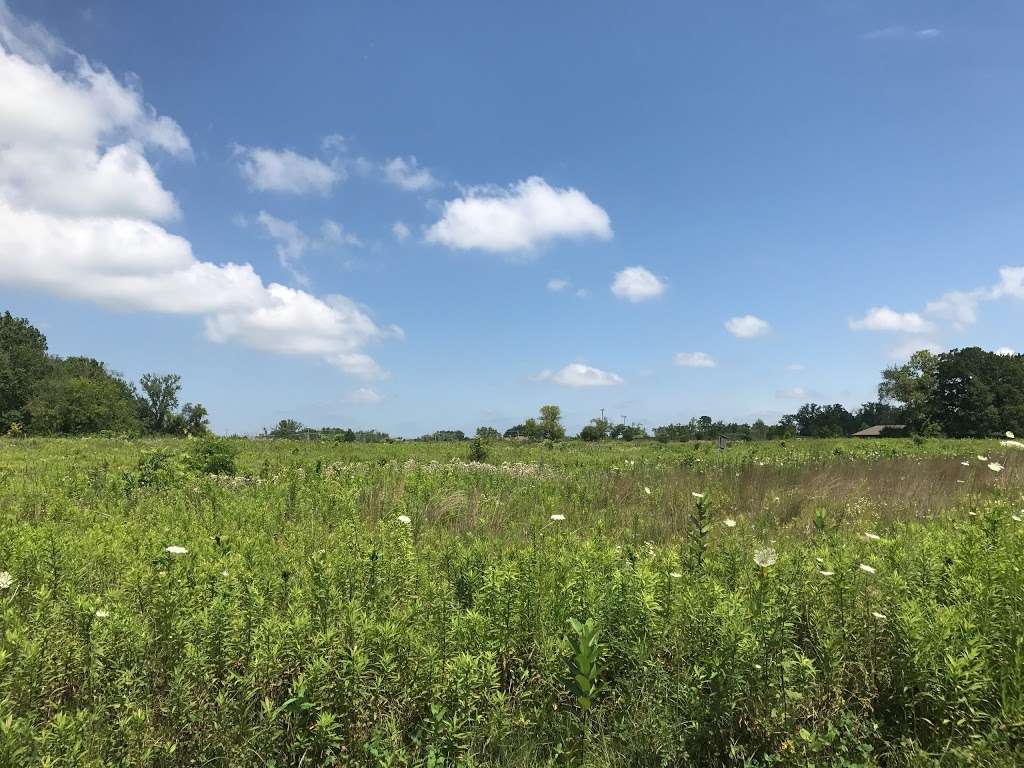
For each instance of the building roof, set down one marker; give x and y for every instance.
(878, 429)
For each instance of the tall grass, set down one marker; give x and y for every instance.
(308, 624)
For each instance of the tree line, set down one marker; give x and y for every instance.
(43, 394)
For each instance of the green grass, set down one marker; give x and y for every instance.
(308, 625)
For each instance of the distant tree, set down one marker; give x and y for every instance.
(23, 365)
(627, 432)
(519, 430)
(979, 393)
(287, 428)
(158, 401)
(914, 386)
(79, 396)
(445, 436)
(551, 422)
(194, 419)
(875, 413)
(487, 433)
(597, 429)
(759, 430)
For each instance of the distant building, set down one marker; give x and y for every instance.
(882, 430)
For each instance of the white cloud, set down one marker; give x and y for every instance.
(582, 293)
(909, 346)
(292, 242)
(520, 218)
(363, 396)
(578, 375)
(271, 170)
(1011, 283)
(885, 319)
(637, 284)
(901, 32)
(695, 360)
(400, 231)
(406, 173)
(91, 233)
(958, 307)
(333, 233)
(557, 284)
(747, 326)
(792, 393)
(1007, 351)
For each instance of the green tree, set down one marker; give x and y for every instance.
(23, 365)
(915, 386)
(551, 422)
(487, 433)
(287, 428)
(80, 396)
(159, 400)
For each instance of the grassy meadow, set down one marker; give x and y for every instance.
(795, 603)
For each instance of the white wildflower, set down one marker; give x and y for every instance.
(1012, 444)
(729, 522)
(1015, 518)
(102, 613)
(697, 495)
(6, 580)
(404, 519)
(965, 463)
(676, 575)
(867, 569)
(982, 458)
(827, 573)
(558, 518)
(995, 466)
(647, 490)
(766, 557)
(174, 549)
(1010, 435)
(879, 616)
(872, 536)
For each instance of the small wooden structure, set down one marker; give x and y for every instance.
(881, 430)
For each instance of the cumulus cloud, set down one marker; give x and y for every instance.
(406, 173)
(578, 375)
(292, 243)
(960, 308)
(363, 396)
(556, 284)
(747, 326)
(637, 284)
(85, 225)
(1006, 351)
(520, 218)
(695, 360)
(885, 319)
(273, 170)
(400, 231)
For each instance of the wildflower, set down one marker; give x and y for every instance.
(558, 518)
(224, 574)
(676, 575)
(867, 569)
(404, 519)
(965, 463)
(995, 466)
(729, 522)
(1010, 435)
(647, 490)
(6, 580)
(872, 537)
(879, 616)
(982, 458)
(766, 557)
(102, 614)
(827, 573)
(697, 495)
(960, 481)
(174, 549)
(1015, 518)
(1011, 444)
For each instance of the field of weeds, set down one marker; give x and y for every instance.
(276, 603)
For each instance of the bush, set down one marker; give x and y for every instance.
(477, 450)
(213, 456)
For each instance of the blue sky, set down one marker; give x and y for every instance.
(786, 198)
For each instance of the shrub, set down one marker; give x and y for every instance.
(212, 456)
